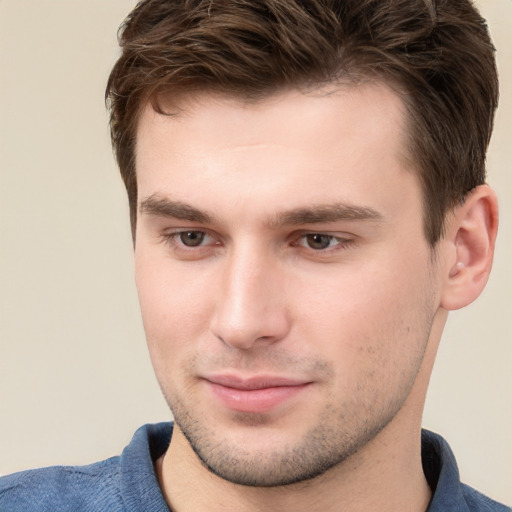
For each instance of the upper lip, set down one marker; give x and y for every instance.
(254, 382)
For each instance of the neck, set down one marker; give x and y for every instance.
(388, 475)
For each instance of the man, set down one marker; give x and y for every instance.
(308, 201)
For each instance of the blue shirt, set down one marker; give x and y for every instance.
(128, 483)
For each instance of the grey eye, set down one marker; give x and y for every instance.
(318, 241)
(192, 238)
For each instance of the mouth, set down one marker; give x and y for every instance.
(257, 394)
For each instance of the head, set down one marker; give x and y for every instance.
(291, 168)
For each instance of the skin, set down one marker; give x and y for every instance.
(284, 239)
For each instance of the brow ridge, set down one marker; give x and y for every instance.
(315, 214)
(326, 213)
(161, 206)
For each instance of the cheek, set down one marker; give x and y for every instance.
(175, 306)
(374, 321)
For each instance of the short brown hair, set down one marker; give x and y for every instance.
(437, 53)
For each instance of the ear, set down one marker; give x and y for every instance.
(470, 239)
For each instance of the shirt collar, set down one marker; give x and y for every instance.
(442, 474)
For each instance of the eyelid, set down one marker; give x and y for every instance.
(171, 236)
(344, 241)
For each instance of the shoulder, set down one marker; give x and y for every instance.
(442, 474)
(63, 488)
(123, 483)
(478, 502)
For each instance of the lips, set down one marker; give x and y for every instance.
(254, 394)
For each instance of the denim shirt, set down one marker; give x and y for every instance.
(128, 483)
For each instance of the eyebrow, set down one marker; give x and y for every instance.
(315, 214)
(325, 213)
(163, 207)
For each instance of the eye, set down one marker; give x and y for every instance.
(190, 243)
(184, 239)
(324, 244)
(191, 238)
(319, 241)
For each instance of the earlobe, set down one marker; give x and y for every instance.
(471, 237)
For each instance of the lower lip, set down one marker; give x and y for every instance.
(254, 400)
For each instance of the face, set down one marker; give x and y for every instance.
(286, 286)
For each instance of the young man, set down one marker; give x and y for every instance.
(308, 202)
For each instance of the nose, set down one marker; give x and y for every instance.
(252, 308)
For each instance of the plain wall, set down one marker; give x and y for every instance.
(75, 377)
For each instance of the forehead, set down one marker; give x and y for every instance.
(333, 142)
(356, 105)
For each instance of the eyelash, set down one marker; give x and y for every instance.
(341, 243)
(173, 239)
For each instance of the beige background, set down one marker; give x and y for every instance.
(75, 379)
